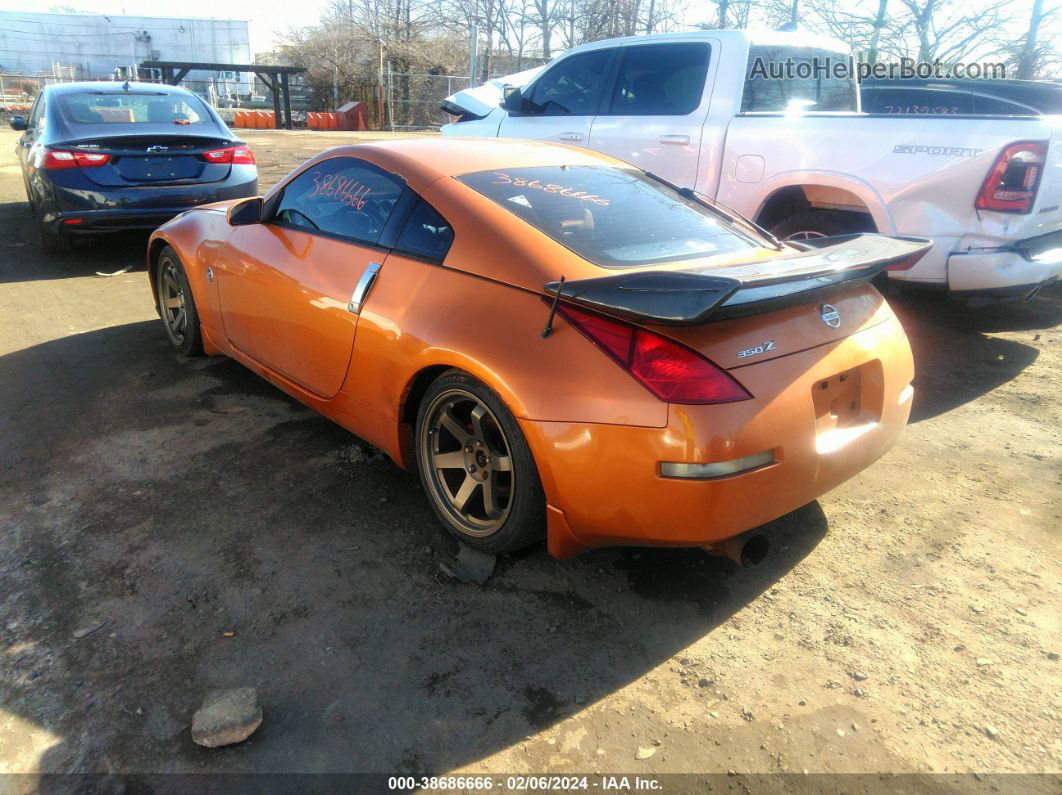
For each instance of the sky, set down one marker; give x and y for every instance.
(266, 17)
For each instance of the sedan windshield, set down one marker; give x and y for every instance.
(128, 108)
(613, 217)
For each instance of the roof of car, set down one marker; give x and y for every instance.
(114, 87)
(425, 159)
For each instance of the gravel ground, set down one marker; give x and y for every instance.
(170, 527)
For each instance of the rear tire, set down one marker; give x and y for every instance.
(476, 468)
(52, 241)
(821, 223)
(177, 307)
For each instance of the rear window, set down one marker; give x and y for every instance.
(775, 81)
(128, 108)
(613, 217)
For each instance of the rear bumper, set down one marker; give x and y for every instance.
(1017, 270)
(76, 210)
(603, 482)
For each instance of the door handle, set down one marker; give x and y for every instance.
(361, 289)
(680, 140)
(571, 136)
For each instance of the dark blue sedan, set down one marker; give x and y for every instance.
(104, 157)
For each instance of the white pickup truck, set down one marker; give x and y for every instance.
(794, 153)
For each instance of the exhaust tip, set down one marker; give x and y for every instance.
(754, 551)
(745, 550)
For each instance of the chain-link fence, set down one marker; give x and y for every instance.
(396, 101)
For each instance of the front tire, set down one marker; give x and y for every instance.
(177, 304)
(476, 468)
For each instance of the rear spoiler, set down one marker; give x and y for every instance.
(691, 297)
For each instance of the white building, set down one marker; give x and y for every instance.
(88, 46)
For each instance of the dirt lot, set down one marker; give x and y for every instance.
(907, 622)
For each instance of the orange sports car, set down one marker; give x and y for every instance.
(558, 342)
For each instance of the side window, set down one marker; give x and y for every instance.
(36, 112)
(1000, 107)
(574, 86)
(341, 196)
(660, 80)
(915, 101)
(773, 83)
(426, 234)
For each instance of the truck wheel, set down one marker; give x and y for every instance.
(821, 223)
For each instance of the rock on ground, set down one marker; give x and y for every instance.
(226, 717)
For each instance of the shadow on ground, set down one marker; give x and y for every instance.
(956, 360)
(157, 505)
(22, 260)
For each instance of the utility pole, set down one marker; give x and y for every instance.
(473, 56)
(335, 79)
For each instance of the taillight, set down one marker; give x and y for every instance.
(57, 159)
(670, 371)
(1015, 176)
(232, 154)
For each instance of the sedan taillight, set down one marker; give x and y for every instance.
(670, 371)
(237, 155)
(55, 159)
(1011, 185)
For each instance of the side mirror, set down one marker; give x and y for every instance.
(246, 212)
(18, 123)
(514, 100)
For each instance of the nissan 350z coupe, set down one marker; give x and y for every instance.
(102, 157)
(559, 343)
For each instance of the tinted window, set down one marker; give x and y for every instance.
(915, 101)
(126, 108)
(340, 196)
(426, 233)
(820, 91)
(1002, 107)
(615, 217)
(36, 112)
(660, 80)
(573, 86)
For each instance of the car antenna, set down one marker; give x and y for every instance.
(548, 329)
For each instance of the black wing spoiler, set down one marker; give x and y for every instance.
(690, 297)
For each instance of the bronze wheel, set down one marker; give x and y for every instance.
(469, 465)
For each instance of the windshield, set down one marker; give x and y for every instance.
(613, 217)
(127, 108)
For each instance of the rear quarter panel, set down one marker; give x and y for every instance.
(916, 175)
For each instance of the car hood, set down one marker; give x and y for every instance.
(481, 100)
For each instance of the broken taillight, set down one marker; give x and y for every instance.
(1011, 185)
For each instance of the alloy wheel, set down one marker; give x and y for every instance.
(468, 462)
(172, 301)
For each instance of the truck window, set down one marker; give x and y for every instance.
(915, 101)
(573, 87)
(660, 80)
(819, 92)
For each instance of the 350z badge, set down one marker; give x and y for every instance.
(761, 348)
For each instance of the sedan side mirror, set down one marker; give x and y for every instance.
(18, 123)
(246, 212)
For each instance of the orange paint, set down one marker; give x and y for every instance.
(277, 303)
